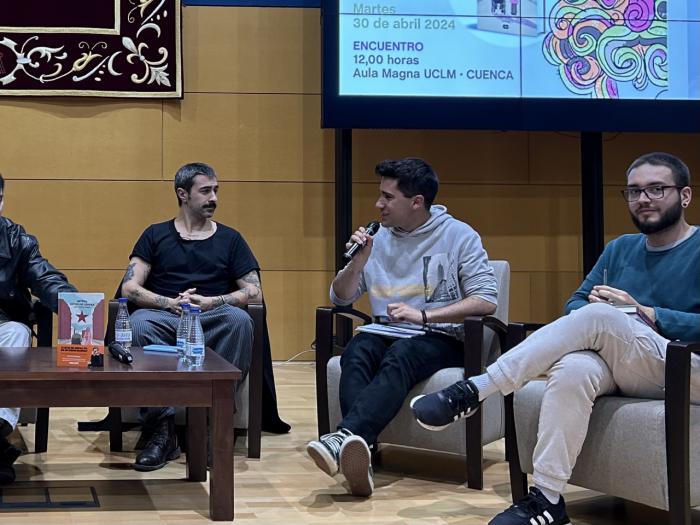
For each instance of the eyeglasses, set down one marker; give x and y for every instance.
(652, 192)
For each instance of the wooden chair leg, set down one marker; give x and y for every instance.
(518, 479)
(475, 452)
(255, 383)
(41, 432)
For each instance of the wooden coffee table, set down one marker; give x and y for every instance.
(30, 378)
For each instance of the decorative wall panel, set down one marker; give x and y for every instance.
(109, 48)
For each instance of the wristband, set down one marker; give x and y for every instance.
(425, 317)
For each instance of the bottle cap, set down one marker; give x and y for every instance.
(123, 300)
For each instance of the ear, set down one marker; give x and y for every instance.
(418, 202)
(182, 194)
(686, 196)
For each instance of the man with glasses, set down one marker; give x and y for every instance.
(598, 349)
(22, 270)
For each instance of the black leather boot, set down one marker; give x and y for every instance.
(161, 448)
(8, 455)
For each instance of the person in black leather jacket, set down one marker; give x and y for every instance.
(23, 272)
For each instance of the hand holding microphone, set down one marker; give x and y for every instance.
(360, 239)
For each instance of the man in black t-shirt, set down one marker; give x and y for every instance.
(190, 259)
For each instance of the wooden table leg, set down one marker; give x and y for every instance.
(221, 477)
(197, 444)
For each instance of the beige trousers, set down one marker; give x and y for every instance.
(593, 351)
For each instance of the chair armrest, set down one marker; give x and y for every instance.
(350, 313)
(527, 327)
(517, 332)
(324, 329)
(677, 408)
(678, 373)
(42, 317)
(324, 351)
(474, 341)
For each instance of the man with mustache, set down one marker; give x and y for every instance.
(190, 259)
(597, 349)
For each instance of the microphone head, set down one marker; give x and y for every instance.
(372, 228)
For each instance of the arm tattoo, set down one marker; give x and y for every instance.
(161, 301)
(252, 278)
(129, 273)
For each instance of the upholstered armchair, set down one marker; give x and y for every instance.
(485, 336)
(642, 450)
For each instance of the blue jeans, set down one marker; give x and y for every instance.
(378, 372)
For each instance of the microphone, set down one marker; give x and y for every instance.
(370, 229)
(120, 353)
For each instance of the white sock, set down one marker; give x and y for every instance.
(485, 385)
(551, 495)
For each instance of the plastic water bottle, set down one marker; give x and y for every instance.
(195, 339)
(122, 326)
(183, 330)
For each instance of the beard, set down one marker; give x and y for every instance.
(669, 218)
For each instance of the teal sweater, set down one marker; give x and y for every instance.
(668, 280)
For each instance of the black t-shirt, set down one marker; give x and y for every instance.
(211, 265)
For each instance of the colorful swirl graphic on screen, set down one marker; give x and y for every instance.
(598, 45)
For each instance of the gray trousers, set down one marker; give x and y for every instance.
(13, 334)
(593, 351)
(227, 330)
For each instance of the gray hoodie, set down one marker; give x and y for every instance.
(437, 264)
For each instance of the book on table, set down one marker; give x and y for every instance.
(81, 329)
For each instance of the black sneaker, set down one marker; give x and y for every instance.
(326, 451)
(439, 409)
(534, 508)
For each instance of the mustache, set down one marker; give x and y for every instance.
(209, 206)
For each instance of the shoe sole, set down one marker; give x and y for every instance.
(355, 460)
(149, 468)
(323, 459)
(433, 427)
